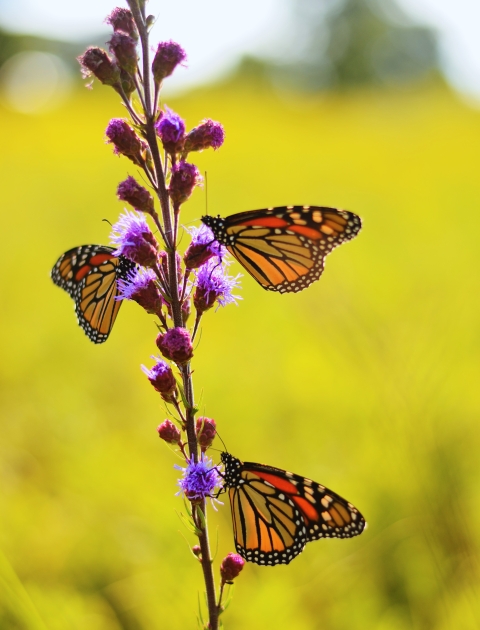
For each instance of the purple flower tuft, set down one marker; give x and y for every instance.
(169, 432)
(122, 20)
(125, 140)
(176, 345)
(162, 378)
(134, 239)
(206, 429)
(213, 284)
(184, 178)
(200, 480)
(231, 566)
(170, 129)
(202, 248)
(141, 287)
(124, 48)
(95, 61)
(167, 58)
(208, 134)
(137, 196)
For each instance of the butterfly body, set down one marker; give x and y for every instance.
(89, 274)
(284, 248)
(275, 512)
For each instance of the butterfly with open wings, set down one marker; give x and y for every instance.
(275, 513)
(284, 248)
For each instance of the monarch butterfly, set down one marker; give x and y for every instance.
(275, 512)
(284, 248)
(89, 274)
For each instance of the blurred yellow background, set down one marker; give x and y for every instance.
(366, 382)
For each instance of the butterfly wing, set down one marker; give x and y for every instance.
(275, 513)
(284, 248)
(89, 274)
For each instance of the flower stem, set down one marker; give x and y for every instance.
(169, 235)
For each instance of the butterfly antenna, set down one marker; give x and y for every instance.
(206, 193)
(224, 445)
(107, 221)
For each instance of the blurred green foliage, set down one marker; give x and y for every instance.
(366, 382)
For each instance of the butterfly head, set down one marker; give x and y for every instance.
(232, 468)
(217, 225)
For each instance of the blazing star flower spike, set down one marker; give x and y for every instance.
(202, 248)
(200, 480)
(134, 239)
(161, 377)
(141, 287)
(213, 284)
(167, 58)
(170, 129)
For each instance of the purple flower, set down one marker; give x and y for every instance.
(122, 20)
(124, 48)
(141, 287)
(95, 61)
(208, 134)
(175, 345)
(134, 239)
(184, 178)
(169, 432)
(213, 284)
(167, 58)
(231, 566)
(200, 480)
(202, 248)
(171, 129)
(162, 378)
(137, 196)
(125, 140)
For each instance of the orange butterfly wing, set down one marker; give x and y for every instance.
(284, 248)
(89, 274)
(275, 512)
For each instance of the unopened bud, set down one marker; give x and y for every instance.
(231, 567)
(167, 58)
(124, 48)
(137, 196)
(122, 20)
(95, 61)
(206, 430)
(169, 432)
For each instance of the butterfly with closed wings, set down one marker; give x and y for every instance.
(284, 248)
(89, 274)
(275, 512)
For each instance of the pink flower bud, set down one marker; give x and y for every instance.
(122, 20)
(176, 345)
(167, 58)
(124, 48)
(137, 196)
(206, 430)
(169, 432)
(184, 178)
(95, 61)
(208, 134)
(231, 567)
